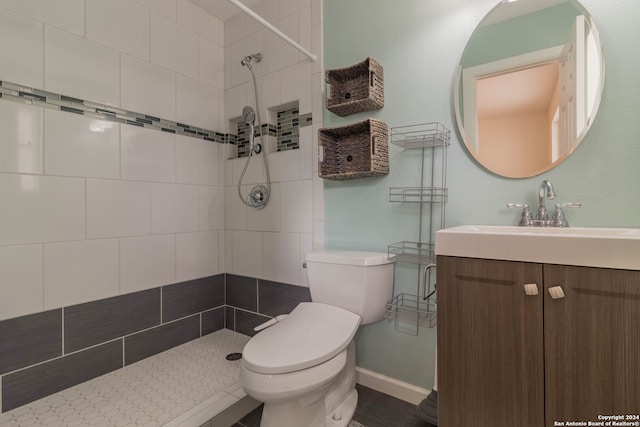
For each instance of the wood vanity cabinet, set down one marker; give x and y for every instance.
(506, 358)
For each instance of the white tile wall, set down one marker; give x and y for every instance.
(278, 54)
(148, 155)
(174, 208)
(41, 209)
(268, 218)
(21, 62)
(93, 209)
(120, 24)
(117, 208)
(22, 290)
(192, 17)
(246, 253)
(22, 146)
(198, 103)
(211, 208)
(166, 8)
(148, 88)
(282, 257)
(174, 47)
(77, 272)
(195, 159)
(67, 15)
(297, 206)
(81, 146)
(235, 212)
(196, 255)
(296, 85)
(305, 36)
(81, 68)
(147, 262)
(211, 63)
(287, 227)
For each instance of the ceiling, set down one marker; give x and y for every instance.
(222, 9)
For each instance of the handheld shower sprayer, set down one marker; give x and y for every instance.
(259, 195)
(248, 115)
(246, 61)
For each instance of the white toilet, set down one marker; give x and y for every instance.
(303, 367)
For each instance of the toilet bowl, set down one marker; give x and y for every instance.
(303, 367)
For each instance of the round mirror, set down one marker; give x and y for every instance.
(529, 85)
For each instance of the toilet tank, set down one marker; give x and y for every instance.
(361, 282)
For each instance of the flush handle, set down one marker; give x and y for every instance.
(556, 292)
(531, 289)
(426, 279)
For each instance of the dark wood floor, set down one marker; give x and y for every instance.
(374, 409)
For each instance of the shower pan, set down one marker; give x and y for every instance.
(259, 195)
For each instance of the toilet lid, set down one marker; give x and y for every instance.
(312, 334)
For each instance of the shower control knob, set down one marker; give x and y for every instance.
(337, 416)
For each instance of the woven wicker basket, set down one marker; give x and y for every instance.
(356, 151)
(357, 88)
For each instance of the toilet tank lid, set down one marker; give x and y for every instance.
(335, 256)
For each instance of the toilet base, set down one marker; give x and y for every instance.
(344, 412)
(313, 415)
(331, 406)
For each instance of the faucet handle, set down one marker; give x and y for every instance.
(558, 220)
(526, 220)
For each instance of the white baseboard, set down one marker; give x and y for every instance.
(391, 386)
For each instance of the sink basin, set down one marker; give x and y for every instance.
(585, 246)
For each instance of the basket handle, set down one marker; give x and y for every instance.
(373, 145)
(320, 153)
(372, 75)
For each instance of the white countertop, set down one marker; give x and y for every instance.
(184, 386)
(584, 246)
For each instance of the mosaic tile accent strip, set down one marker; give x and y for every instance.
(306, 120)
(288, 129)
(152, 392)
(27, 95)
(242, 139)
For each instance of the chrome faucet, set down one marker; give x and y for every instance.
(545, 192)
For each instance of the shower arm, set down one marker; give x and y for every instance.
(273, 29)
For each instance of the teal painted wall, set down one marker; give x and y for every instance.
(419, 43)
(521, 35)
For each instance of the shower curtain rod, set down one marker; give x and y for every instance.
(273, 29)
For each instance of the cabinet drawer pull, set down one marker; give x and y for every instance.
(531, 289)
(556, 292)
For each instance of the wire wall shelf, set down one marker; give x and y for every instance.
(412, 252)
(412, 310)
(418, 194)
(423, 135)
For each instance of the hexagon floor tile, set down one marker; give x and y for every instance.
(152, 392)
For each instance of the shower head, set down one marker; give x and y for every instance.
(248, 115)
(246, 61)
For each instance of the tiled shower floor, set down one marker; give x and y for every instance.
(166, 389)
(177, 387)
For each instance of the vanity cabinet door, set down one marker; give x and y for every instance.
(592, 342)
(490, 344)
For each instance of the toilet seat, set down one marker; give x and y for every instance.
(312, 334)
